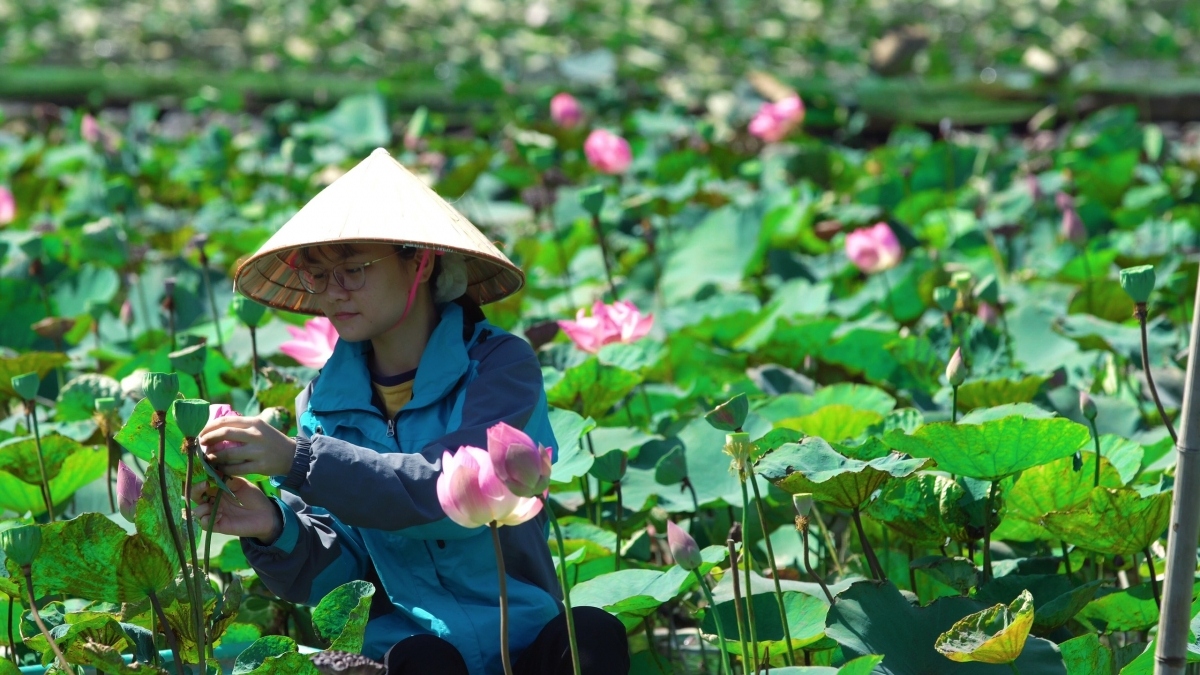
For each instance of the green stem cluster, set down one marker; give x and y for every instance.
(712, 607)
(762, 519)
(737, 602)
(37, 618)
(566, 587)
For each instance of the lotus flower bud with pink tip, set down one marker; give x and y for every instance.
(956, 370)
(874, 249)
(129, 490)
(607, 152)
(1073, 229)
(565, 110)
(8, 206)
(312, 345)
(683, 547)
(472, 494)
(521, 464)
(89, 129)
(987, 313)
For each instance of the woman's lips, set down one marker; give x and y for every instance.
(344, 315)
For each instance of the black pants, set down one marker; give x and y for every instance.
(603, 650)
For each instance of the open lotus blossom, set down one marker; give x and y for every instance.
(217, 411)
(8, 206)
(312, 345)
(619, 322)
(129, 490)
(472, 494)
(521, 464)
(89, 129)
(683, 547)
(874, 249)
(774, 121)
(565, 110)
(607, 152)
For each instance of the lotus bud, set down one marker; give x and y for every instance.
(730, 415)
(248, 311)
(592, 199)
(26, 385)
(962, 281)
(160, 388)
(126, 313)
(1138, 282)
(1087, 406)
(946, 298)
(683, 547)
(190, 360)
(520, 463)
(738, 446)
(191, 414)
(129, 490)
(21, 544)
(956, 370)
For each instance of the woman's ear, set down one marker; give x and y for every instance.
(427, 272)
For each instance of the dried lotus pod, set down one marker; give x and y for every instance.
(333, 662)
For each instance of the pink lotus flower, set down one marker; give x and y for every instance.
(522, 465)
(683, 547)
(8, 206)
(217, 411)
(987, 313)
(1073, 229)
(472, 494)
(776, 120)
(89, 129)
(126, 313)
(607, 152)
(874, 249)
(312, 345)
(565, 110)
(619, 322)
(129, 490)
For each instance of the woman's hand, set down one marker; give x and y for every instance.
(256, 517)
(264, 449)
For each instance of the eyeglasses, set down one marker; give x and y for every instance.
(351, 276)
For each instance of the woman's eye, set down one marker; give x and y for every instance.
(353, 270)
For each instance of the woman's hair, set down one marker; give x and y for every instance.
(451, 265)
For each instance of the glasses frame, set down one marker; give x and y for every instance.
(336, 273)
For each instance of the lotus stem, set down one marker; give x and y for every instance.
(872, 561)
(837, 564)
(208, 531)
(737, 603)
(191, 444)
(1140, 313)
(987, 532)
(1096, 440)
(887, 293)
(201, 386)
(954, 406)
(612, 287)
(1087, 282)
(12, 644)
(1153, 578)
(159, 421)
(562, 579)
(162, 620)
(712, 607)
(617, 552)
(1013, 665)
(802, 526)
(31, 412)
(912, 574)
(37, 617)
(504, 657)
(587, 498)
(212, 304)
(750, 620)
(1066, 556)
(762, 519)
(253, 358)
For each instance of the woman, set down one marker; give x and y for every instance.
(417, 370)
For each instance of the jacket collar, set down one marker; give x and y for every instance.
(442, 365)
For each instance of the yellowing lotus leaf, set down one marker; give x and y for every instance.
(994, 635)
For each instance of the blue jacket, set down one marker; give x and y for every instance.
(360, 501)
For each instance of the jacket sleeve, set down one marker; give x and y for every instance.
(507, 387)
(312, 555)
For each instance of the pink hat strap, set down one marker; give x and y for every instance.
(412, 291)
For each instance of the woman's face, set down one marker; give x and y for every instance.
(375, 308)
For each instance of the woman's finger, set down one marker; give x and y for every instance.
(231, 434)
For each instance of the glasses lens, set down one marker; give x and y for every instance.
(314, 279)
(352, 276)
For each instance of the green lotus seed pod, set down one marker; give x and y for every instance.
(988, 290)
(160, 388)
(190, 360)
(738, 446)
(1138, 282)
(107, 404)
(248, 311)
(191, 414)
(945, 297)
(26, 385)
(961, 281)
(21, 544)
(730, 415)
(592, 199)
(803, 503)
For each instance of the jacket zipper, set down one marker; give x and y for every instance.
(391, 428)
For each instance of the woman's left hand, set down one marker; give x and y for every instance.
(265, 450)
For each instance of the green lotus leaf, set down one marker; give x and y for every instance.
(907, 420)
(856, 396)
(572, 459)
(149, 515)
(863, 665)
(108, 659)
(248, 311)
(143, 568)
(846, 479)
(341, 617)
(638, 357)
(993, 635)
(1125, 455)
(925, 509)
(19, 457)
(269, 646)
(281, 395)
(177, 608)
(838, 422)
(1085, 655)
(78, 557)
(1055, 486)
(141, 439)
(38, 362)
(609, 467)
(74, 638)
(77, 399)
(999, 391)
(874, 618)
(589, 388)
(1142, 665)
(1056, 598)
(77, 470)
(1028, 410)
(957, 573)
(995, 449)
(1114, 521)
(805, 617)
(631, 594)
(1117, 610)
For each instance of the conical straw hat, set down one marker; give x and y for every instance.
(377, 202)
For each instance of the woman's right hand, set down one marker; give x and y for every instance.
(256, 517)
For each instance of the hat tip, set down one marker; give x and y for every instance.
(380, 151)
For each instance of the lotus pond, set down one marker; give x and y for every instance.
(897, 395)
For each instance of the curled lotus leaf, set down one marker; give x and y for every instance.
(845, 477)
(730, 415)
(341, 616)
(1056, 598)
(995, 449)
(1114, 521)
(925, 508)
(1055, 486)
(994, 635)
